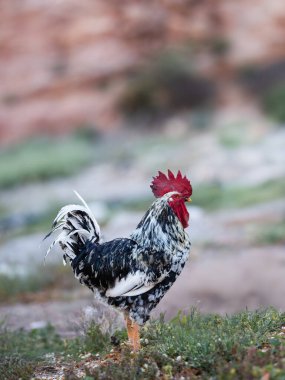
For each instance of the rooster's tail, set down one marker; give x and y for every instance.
(76, 226)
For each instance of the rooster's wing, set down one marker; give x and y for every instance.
(120, 267)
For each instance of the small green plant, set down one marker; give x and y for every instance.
(168, 83)
(273, 233)
(95, 340)
(219, 46)
(273, 103)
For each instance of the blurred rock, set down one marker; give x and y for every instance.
(100, 211)
(37, 325)
(176, 127)
(20, 256)
(122, 224)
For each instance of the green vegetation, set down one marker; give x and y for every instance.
(43, 158)
(247, 345)
(233, 136)
(219, 46)
(201, 346)
(267, 83)
(21, 352)
(273, 103)
(273, 233)
(35, 223)
(214, 196)
(13, 288)
(168, 83)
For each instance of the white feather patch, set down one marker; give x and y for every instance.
(132, 285)
(126, 284)
(141, 290)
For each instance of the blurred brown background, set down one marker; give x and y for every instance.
(98, 96)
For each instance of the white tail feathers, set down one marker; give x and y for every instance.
(77, 226)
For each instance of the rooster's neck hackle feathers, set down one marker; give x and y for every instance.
(162, 184)
(159, 227)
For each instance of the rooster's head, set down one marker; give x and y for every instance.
(180, 190)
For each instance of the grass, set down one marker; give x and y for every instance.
(247, 345)
(17, 287)
(273, 103)
(32, 223)
(213, 196)
(233, 136)
(273, 233)
(21, 352)
(43, 158)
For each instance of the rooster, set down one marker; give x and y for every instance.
(131, 274)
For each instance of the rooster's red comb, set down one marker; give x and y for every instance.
(162, 184)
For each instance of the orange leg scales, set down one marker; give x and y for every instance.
(133, 333)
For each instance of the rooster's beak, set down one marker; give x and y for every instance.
(188, 199)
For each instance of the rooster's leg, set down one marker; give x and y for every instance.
(133, 333)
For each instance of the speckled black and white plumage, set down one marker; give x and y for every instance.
(131, 274)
